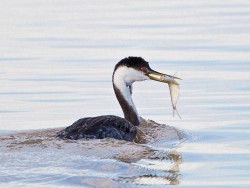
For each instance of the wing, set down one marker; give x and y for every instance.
(100, 127)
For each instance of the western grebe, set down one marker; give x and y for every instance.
(126, 72)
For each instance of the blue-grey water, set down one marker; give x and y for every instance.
(56, 62)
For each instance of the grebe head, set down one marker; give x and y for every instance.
(133, 69)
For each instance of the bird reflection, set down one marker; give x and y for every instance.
(163, 168)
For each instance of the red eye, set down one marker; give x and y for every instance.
(144, 69)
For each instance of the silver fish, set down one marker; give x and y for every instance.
(174, 89)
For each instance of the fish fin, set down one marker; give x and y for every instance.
(175, 77)
(175, 74)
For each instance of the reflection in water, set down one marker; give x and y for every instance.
(62, 168)
(163, 167)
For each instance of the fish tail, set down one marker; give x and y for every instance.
(178, 113)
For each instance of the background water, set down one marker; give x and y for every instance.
(57, 58)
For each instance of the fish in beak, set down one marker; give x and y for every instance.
(174, 87)
(160, 77)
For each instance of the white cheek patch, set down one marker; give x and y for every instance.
(129, 75)
(135, 75)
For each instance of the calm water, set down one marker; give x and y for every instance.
(56, 64)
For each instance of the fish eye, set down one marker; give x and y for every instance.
(143, 69)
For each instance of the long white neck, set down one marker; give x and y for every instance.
(122, 80)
